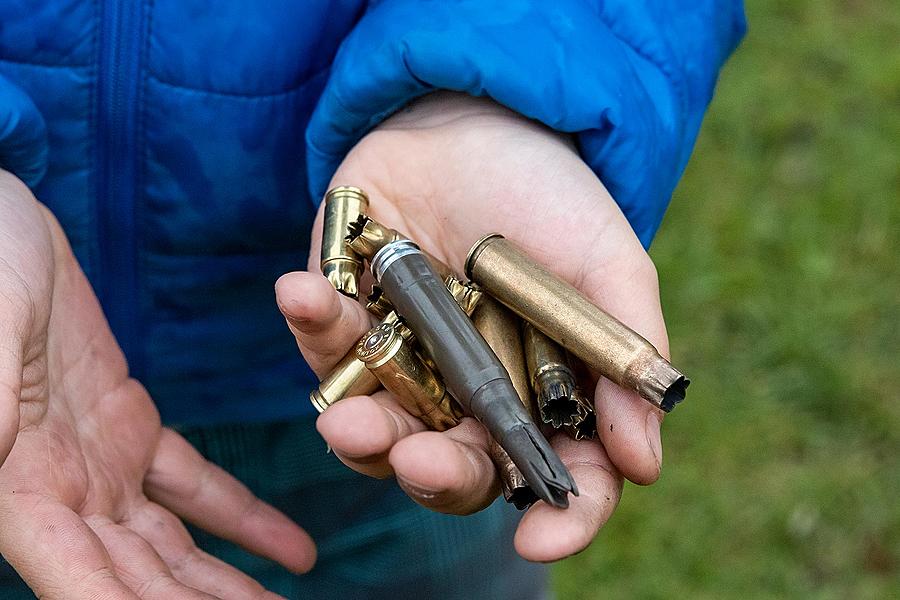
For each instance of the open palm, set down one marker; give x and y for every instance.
(446, 171)
(91, 483)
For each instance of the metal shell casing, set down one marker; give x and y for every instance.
(377, 303)
(501, 330)
(466, 295)
(419, 390)
(560, 402)
(367, 237)
(340, 264)
(471, 370)
(349, 377)
(563, 313)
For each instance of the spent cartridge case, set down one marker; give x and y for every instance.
(416, 386)
(465, 294)
(512, 483)
(559, 400)
(340, 264)
(471, 371)
(367, 237)
(566, 316)
(501, 330)
(586, 430)
(377, 303)
(349, 377)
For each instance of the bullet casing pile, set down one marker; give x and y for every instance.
(502, 348)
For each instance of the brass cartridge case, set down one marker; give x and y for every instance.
(560, 402)
(586, 430)
(501, 330)
(340, 264)
(466, 295)
(367, 236)
(512, 483)
(417, 387)
(564, 314)
(377, 303)
(349, 377)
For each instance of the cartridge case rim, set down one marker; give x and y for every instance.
(379, 345)
(318, 401)
(475, 250)
(347, 190)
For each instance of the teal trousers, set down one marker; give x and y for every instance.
(373, 541)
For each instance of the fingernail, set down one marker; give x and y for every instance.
(416, 491)
(651, 429)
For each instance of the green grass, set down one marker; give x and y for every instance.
(780, 270)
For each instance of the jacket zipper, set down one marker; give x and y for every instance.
(118, 89)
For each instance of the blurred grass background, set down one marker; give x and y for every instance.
(779, 263)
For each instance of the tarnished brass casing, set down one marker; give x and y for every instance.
(563, 313)
(377, 303)
(512, 483)
(586, 430)
(417, 387)
(560, 402)
(466, 295)
(349, 377)
(367, 236)
(340, 264)
(501, 330)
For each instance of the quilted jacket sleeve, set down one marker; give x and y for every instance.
(23, 135)
(631, 78)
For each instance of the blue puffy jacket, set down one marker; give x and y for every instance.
(168, 138)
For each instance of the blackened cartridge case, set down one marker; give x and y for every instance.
(340, 264)
(565, 315)
(470, 369)
(559, 400)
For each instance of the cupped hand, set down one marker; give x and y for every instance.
(91, 486)
(446, 171)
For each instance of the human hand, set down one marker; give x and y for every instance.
(446, 171)
(90, 483)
